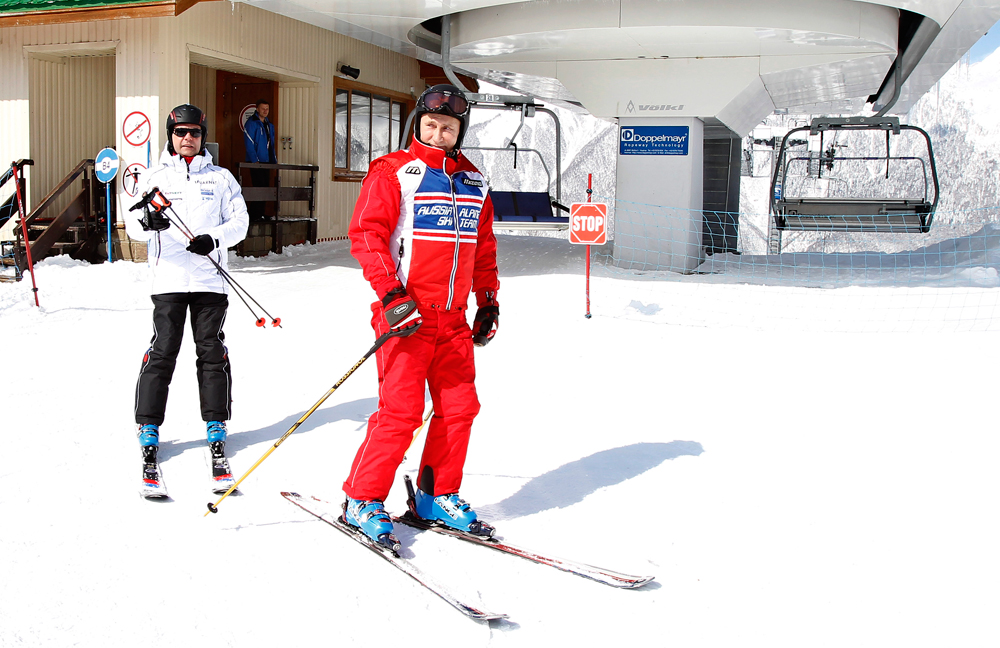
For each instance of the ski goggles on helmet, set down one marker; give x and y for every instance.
(446, 102)
(183, 132)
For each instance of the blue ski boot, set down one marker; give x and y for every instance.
(149, 435)
(370, 517)
(222, 474)
(152, 478)
(149, 441)
(216, 431)
(451, 511)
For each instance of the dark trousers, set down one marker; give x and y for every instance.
(258, 178)
(208, 313)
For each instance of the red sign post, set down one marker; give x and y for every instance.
(588, 225)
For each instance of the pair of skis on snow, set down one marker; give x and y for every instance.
(153, 486)
(333, 515)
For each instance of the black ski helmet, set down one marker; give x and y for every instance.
(443, 99)
(186, 114)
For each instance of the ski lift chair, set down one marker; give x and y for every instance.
(524, 210)
(847, 214)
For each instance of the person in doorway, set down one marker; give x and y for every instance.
(422, 231)
(208, 201)
(259, 144)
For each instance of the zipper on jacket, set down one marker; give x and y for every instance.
(402, 251)
(458, 234)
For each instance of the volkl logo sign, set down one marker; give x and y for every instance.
(633, 108)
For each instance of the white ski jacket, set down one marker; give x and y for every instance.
(207, 199)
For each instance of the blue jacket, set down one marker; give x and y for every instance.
(255, 139)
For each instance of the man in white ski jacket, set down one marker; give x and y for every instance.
(208, 201)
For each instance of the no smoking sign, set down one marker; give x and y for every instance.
(588, 223)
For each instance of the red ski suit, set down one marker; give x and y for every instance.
(423, 221)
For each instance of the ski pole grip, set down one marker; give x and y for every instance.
(158, 200)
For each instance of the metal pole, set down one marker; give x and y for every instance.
(446, 53)
(590, 192)
(107, 211)
(18, 171)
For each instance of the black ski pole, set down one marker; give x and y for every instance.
(214, 508)
(275, 321)
(161, 203)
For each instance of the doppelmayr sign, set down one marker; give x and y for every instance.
(654, 140)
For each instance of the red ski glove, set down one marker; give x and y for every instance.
(400, 312)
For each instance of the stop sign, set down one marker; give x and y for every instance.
(588, 223)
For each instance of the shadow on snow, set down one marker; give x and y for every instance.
(572, 482)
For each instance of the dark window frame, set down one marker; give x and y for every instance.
(407, 103)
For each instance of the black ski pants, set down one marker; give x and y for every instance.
(208, 313)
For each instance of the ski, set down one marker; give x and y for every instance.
(222, 474)
(606, 576)
(152, 486)
(331, 514)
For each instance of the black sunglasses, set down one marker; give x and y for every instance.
(434, 101)
(184, 132)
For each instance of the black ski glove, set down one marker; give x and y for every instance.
(400, 312)
(487, 321)
(154, 221)
(153, 218)
(202, 244)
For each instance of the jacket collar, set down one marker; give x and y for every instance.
(434, 157)
(198, 163)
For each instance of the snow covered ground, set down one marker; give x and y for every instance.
(787, 485)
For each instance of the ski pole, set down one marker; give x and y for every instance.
(420, 429)
(275, 321)
(17, 166)
(161, 203)
(164, 203)
(213, 508)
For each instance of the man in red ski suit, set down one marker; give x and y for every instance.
(422, 231)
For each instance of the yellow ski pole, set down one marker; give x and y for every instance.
(430, 413)
(213, 508)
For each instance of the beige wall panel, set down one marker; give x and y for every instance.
(72, 117)
(14, 117)
(173, 64)
(298, 121)
(341, 206)
(202, 94)
(138, 80)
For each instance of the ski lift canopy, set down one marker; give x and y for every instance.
(895, 214)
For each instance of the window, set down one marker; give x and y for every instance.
(367, 123)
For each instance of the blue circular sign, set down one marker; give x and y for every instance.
(106, 165)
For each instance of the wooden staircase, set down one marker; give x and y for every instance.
(79, 229)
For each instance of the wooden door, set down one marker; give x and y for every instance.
(237, 98)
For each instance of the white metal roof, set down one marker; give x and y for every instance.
(737, 60)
